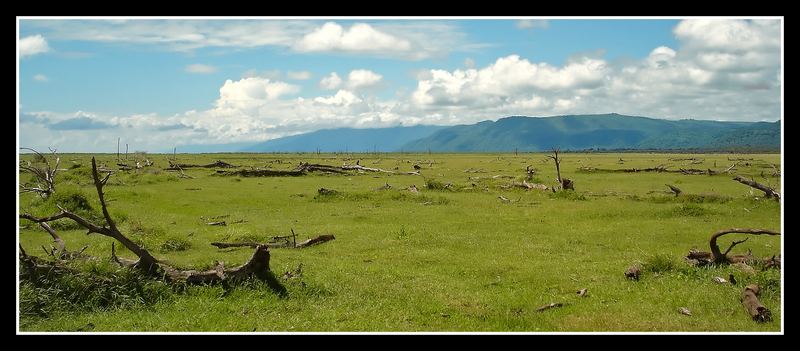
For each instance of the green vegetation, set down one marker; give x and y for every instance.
(445, 258)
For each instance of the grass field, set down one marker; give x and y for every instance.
(454, 259)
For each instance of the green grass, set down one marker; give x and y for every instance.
(457, 259)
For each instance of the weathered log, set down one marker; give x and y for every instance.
(218, 164)
(223, 245)
(262, 173)
(549, 306)
(314, 241)
(768, 192)
(758, 312)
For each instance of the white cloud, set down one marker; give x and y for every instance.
(330, 82)
(200, 68)
(32, 45)
(531, 23)
(740, 82)
(298, 75)
(40, 78)
(360, 37)
(362, 78)
(342, 97)
(413, 40)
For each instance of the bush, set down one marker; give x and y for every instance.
(175, 244)
(100, 286)
(660, 263)
(568, 194)
(433, 184)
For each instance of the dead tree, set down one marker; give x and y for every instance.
(716, 256)
(564, 183)
(44, 175)
(755, 308)
(257, 266)
(768, 191)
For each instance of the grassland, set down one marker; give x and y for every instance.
(455, 259)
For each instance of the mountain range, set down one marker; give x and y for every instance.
(571, 132)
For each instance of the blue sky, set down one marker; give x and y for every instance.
(221, 81)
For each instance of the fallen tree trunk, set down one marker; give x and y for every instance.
(218, 164)
(768, 192)
(314, 241)
(262, 173)
(224, 245)
(758, 312)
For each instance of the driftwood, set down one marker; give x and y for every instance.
(218, 164)
(257, 266)
(549, 306)
(261, 173)
(314, 241)
(716, 256)
(758, 312)
(768, 191)
(43, 175)
(310, 242)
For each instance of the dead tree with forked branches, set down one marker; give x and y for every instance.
(564, 183)
(257, 266)
(44, 175)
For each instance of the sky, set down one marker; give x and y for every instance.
(162, 83)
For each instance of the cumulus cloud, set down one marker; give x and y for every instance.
(332, 81)
(362, 78)
(40, 78)
(32, 45)
(723, 80)
(200, 68)
(360, 37)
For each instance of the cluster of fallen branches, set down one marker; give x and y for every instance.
(716, 256)
(219, 164)
(278, 243)
(256, 267)
(304, 168)
(44, 175)
(659, 169)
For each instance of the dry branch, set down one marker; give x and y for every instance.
(674, 189)
(44, 175)
(257, 266)
(768, 192)
(549, 306)
(716, 256)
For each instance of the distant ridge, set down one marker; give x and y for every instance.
(607, 131)
(570, 132)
